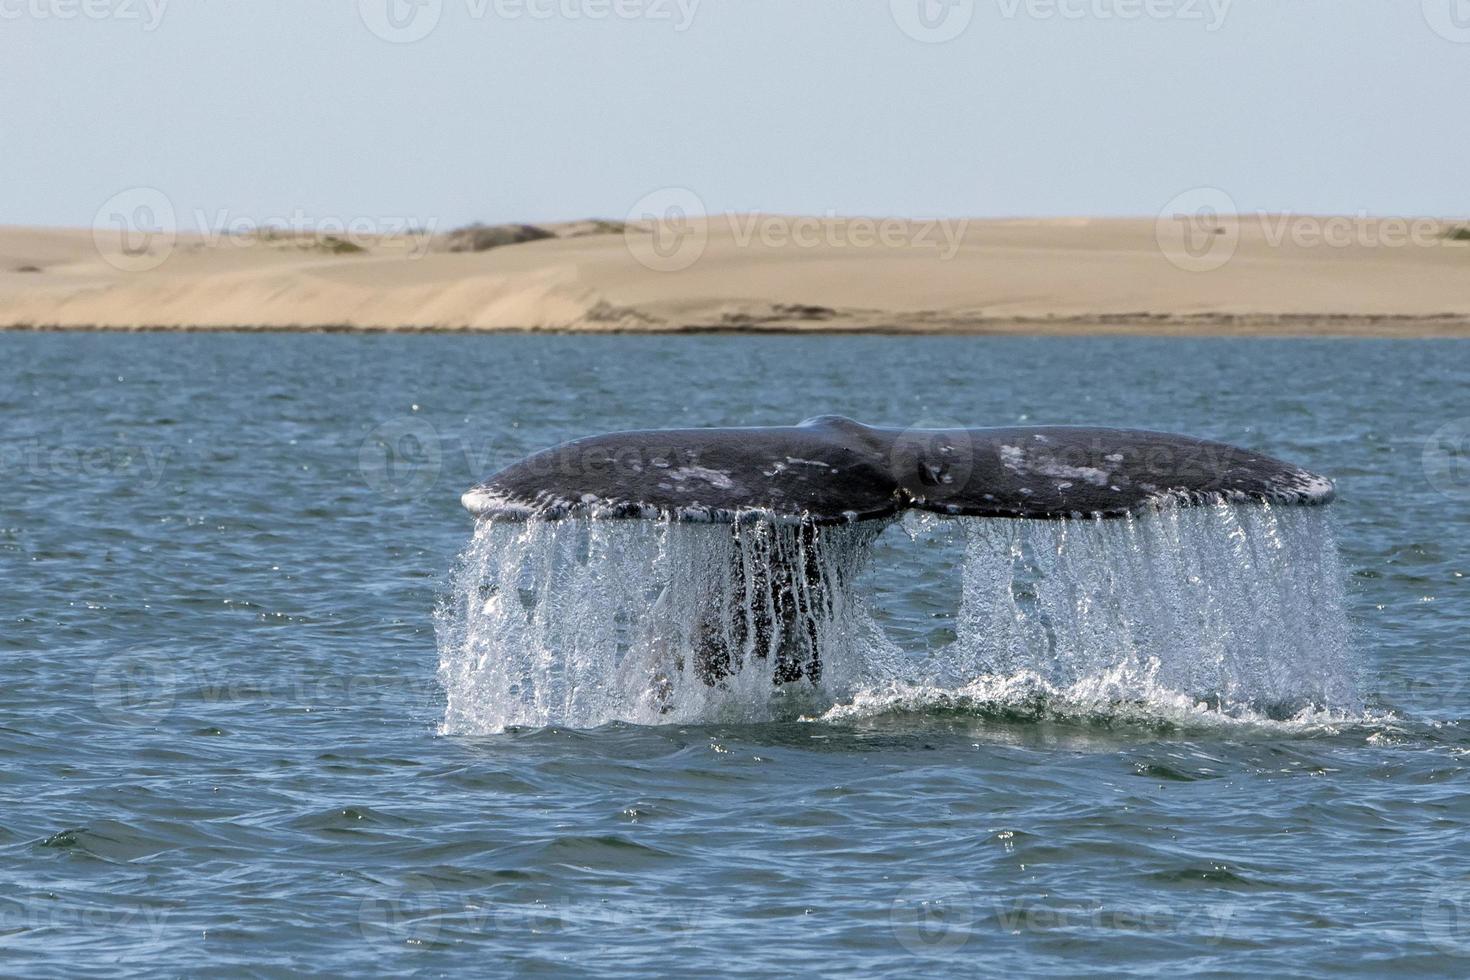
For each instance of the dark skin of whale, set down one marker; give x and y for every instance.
(831, 470)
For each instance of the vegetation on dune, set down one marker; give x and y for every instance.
(601, 226)
(479, 237)
(482, 238)
(306, 241)
(339, 246)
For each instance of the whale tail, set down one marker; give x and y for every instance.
(831, 470)
(781, 488)
(770, 608)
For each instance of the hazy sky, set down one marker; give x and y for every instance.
(546, 109)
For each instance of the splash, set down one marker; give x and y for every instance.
(1231, 610)
(581, 622)
(1237, 607)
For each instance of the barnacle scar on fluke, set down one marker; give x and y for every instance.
(793, 495)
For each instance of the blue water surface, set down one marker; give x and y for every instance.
(220, 743)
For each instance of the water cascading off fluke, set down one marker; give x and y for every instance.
(721, 576)
(583, 622)
(579, 623)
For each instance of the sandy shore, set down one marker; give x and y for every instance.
(1256, 275)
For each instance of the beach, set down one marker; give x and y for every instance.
(1245, 275)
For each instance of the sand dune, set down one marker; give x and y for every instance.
(754, 272)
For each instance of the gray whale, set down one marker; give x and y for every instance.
(831, 470)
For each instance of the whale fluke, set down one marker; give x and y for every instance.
(831, 470)
(778, 486)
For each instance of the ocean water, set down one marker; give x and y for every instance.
(257, 711)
